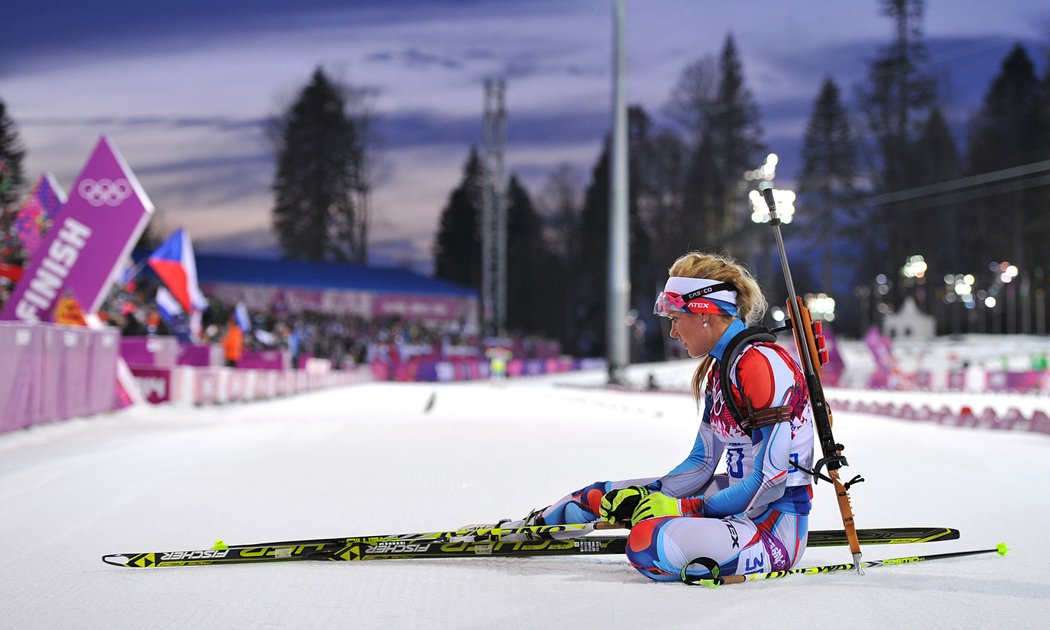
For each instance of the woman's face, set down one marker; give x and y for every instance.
(690, 330)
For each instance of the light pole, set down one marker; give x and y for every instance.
(618, 287)
(764, 173)
(785, 203)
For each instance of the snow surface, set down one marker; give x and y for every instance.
(371, 459)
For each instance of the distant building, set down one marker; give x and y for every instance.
(909, 322)
(336, 288)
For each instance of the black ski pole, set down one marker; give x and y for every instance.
(1000, 549)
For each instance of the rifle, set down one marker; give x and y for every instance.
(809, 340)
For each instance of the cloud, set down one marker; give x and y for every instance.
(216, 123)
(551, 127)
(414, 58)
(186, 89)
(258, 241)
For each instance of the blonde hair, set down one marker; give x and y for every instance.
(750, 303)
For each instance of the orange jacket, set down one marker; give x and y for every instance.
(233, 342)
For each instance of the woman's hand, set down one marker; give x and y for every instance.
(619, 504)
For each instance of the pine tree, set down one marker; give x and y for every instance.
(527, 258)
(937, 160)
(736, 145)
(827, 182)
(12, 182)
(700, 196)
(662, 208)
(594, 235)
(322, 175)
(589, 324)
(457, 244)
(896, 102)
(561, 200)
(713, 104)
(1005, 133)
(693, 97)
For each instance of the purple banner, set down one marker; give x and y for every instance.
(90, 236)
(158, 351)
(200, 355)
(880, 348)
(265, 360)
(154, 383)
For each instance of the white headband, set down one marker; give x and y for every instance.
(684, 286)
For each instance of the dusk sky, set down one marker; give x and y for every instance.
(184, 89)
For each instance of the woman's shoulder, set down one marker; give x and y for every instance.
(764, 368)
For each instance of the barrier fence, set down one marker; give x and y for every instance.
(50, 372)
(1008, 419)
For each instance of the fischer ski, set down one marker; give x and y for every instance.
(1000, 549)
(487, 541)
(378, 549)
(467, 533)
(494, 533)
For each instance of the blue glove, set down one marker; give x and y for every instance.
(619, 504)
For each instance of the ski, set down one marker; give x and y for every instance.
(377, 549)
(883, 536)
(489, 541)
(1000, 549)
(493, 533)
(467, 533)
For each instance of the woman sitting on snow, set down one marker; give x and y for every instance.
(753, 518)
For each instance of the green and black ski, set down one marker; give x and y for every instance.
(473, 541)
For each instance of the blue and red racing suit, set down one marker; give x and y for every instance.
(751, 519)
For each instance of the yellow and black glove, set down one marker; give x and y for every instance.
(654, 505)
(619, 504)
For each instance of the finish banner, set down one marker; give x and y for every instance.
(94, 231)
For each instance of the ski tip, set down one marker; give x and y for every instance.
(117, 560)
(1001, 549)
(220, 545)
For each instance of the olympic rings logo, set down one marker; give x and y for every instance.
(104, 191)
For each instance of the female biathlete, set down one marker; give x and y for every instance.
(753, 518)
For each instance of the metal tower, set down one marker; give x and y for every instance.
(494, 212)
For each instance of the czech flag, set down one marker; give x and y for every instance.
(175, 264)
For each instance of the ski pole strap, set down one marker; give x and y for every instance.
(817, 475)
(712, 568)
